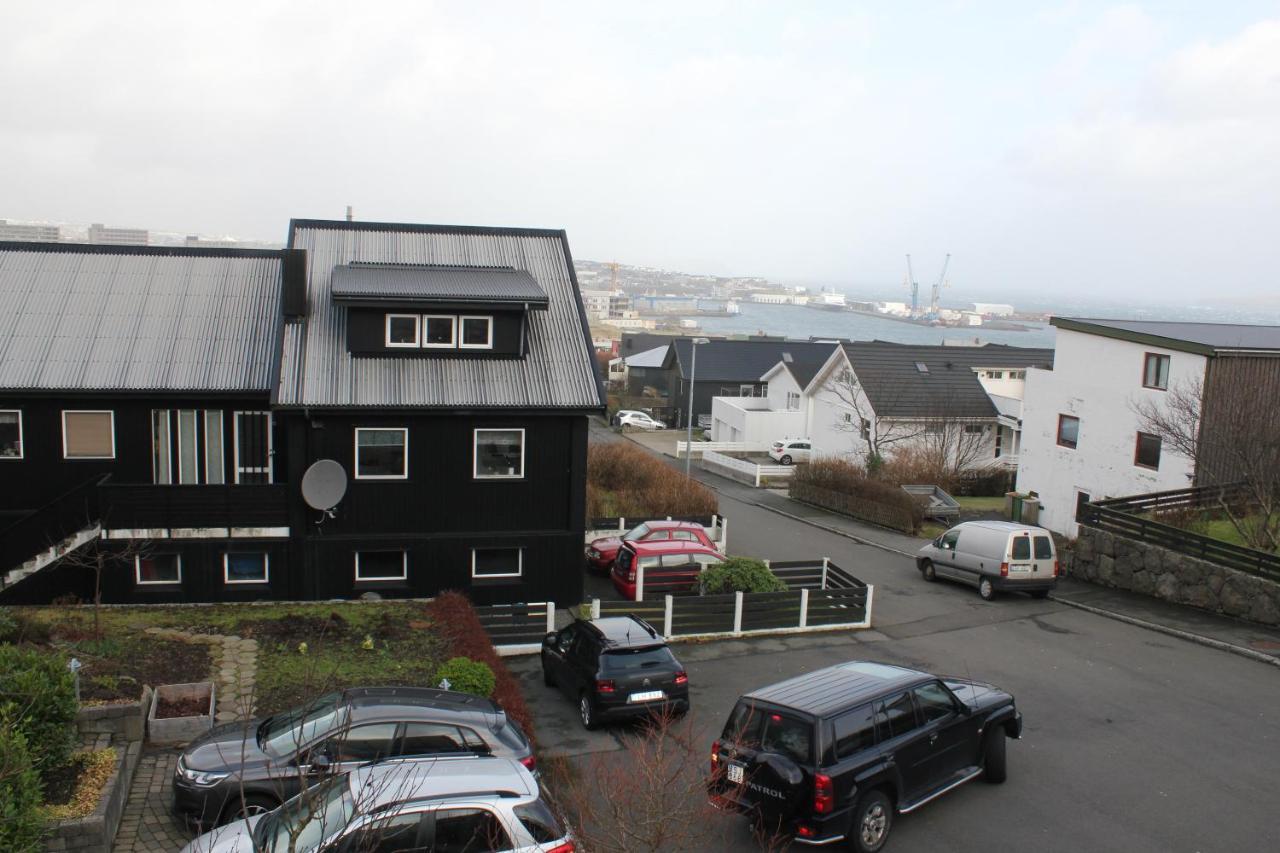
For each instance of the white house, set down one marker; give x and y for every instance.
(1082, 434)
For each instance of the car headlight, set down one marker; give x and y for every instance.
(202, 778)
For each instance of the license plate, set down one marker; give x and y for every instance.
(736, 773)
(647, 696)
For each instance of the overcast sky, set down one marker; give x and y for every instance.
(1082, 148)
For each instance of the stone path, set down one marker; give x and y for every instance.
(147, 824)
(235, 670)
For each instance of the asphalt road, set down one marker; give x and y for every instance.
(1133, 741)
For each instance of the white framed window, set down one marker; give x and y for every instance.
(441, 331)
(188, 452)
(382, 453)
(793, 401)
(382, 565)
(157, 569)
(245, 567)
(499, 454)
(214, 454)
(10, 434)
(403, 331)
(497, 562)
(251, 446)
(88, 434)
(475, 332)
(161, 437)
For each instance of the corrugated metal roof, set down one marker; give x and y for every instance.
(741, 361)
(317, 370)
(414, 283)
(894, 381)
(1206, 336)
(100, 318)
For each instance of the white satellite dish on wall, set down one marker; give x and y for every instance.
(324, 484)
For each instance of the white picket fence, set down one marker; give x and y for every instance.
(701, 447)
(744, 470)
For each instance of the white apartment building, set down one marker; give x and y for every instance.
(29, 233)
(1083, 438)
(99, 233)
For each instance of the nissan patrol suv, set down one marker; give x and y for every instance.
(836, 753)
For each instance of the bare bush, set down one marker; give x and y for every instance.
(624, 480)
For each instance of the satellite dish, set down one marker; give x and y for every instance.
(324, 484)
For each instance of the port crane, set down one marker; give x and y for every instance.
(915, 288)
(937, 287)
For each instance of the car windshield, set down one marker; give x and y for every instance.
(284, 733)
(303, 823)
(636, 533)
(625, 660)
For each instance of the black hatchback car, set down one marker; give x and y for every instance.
(248, 768)
(615, 668)
(836, 753)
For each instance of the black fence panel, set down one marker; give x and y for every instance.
(837, 607)
(514, 624)
(761, 611)
(702, 615)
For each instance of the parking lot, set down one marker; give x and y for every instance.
(1133, 740)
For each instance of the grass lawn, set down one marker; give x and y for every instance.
(982, 504)
(1215, 528)
(402, 647)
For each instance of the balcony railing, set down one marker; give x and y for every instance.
(138, 506)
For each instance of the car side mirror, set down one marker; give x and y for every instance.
(550, 639)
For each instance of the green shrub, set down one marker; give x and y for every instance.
(467, 676)
(21, 823)
(8, 626)
(37, 698)
(740, 574)
(17, 627)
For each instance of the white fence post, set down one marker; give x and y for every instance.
(622, 523)
(737, 612)
(666, 618)
(757, 476)
(871, 591)
(826, 561)
(551, 616)
(639, 580)
(595, 608)
(804, 607)
(724, 534)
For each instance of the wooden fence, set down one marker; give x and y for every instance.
(516, 629)
(1124, 517)
(885, 515)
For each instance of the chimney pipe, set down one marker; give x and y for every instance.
(348, 213)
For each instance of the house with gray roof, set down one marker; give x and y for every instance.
(170, 406)
(1088, 434)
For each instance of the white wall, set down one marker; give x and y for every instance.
(1098, 380)
(833, 425)
(1005, 386)
(751, 419)
(781, 382)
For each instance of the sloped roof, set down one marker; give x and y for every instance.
(137, 318)
(649, 358)
(317, 370)
(742, 361)
(946, 386)
(434, 284)
(1202, 338)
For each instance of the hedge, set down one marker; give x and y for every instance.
(37, 698)
(21, 821)
(466, 676)
(740, 574)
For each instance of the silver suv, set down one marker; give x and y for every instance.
(449, 803)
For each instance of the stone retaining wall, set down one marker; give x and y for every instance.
(1118, 561)
(125, 722)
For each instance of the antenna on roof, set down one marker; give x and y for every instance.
(350, 215)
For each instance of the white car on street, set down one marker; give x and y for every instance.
(791, 450)
(639, 420)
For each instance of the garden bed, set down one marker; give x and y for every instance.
(73, 790)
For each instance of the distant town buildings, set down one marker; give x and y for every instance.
(102, 234)
(29, 233)
(992, 309)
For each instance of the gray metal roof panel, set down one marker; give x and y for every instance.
(317, 370)
(434, 283)
(137, 320)
(947, 388)
(1214, 336)
(741, 361)
(837, 687)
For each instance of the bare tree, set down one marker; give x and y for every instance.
(879, 435)
(99, 559)
(953, 445)
(1233, 437)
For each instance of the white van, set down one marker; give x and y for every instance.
(994, 556)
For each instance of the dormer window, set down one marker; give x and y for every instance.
(477, 333)
(441, 331)
(402, 330)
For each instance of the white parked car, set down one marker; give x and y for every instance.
(639, 420)
(791, 450)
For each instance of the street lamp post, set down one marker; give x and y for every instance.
(693, 374)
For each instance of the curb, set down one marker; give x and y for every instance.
(1199, 639)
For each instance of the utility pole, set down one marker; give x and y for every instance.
(693, 374)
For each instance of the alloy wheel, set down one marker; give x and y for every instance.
(873, 825)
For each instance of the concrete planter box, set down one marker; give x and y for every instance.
(176, 731)
(96, 832)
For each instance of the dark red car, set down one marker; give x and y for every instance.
(602, 552)
(669, 567)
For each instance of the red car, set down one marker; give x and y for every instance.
(602, 552)
(668, 567)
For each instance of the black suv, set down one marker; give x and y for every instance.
(833, 754)
(615, 668)
(248, 768)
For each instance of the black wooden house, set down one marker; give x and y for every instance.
(163, 405)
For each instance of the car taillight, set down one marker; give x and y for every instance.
(715, 757)
(530, 763)
(567, 847)
(604, 685)
(804, 831)
(1004, 570)
(682, 677)
(823, 794)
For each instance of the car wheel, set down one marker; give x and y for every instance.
(587, 710)
(927, 570)
(1040, 593)
(994, 769)
(250, 806)
(785, 460)
(872, 820)
(986, 589)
